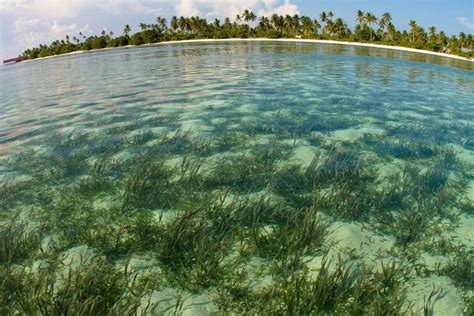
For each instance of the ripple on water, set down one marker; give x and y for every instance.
(213, 142)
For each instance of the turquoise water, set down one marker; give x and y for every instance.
(271, 178)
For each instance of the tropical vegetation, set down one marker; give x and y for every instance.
(369, 28)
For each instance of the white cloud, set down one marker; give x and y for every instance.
(60, 30)
(23, 23)
(45, 8)
(230, 8)
(139, 7)
(187, 8)
(9, 6)
(32, 32)
(270, 3)
(466, 22)
(285, 8)
(60, 9)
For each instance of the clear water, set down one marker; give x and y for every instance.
(224, 172)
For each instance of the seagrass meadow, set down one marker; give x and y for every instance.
(255, 178)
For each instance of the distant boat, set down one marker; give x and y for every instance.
(13, 60)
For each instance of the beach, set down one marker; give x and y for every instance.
(291, 40)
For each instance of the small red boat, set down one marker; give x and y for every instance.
(13, 60)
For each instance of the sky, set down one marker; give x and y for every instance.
(28, 23)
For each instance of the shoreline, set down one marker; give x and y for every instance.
(294, 40)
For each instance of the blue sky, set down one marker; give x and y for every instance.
(26, 23)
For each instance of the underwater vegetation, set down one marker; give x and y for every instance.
(240, 217)
(336, 180)
(460, 268)
(338, 288)
(396, 148)
(299, 235)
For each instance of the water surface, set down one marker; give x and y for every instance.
(230, 168)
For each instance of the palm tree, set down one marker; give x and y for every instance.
(143, 26)
(432, 34)
(227, 23)
(174, 23)
(291, 24)
(385, 21)
(182, 23)
(360, 17)
(413, 29)
(324, 19)
(462, 39)
(294, 24)
(238, 18)
(264, 22)
(161, 24)
(469, 41)
(252, 17)
(329, 27)
(189, 24)
(194, 24)
(248, 16)
(278, 22)
(323, 16)
(421, 34)
(442, 37)
(340, 28)
(126, 29)
(369, 19)
(286, 24)
(391, 31)
(245, 15)
(317, 26)
(308, 26)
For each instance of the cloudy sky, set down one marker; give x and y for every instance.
(27, 23)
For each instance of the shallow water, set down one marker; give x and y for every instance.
(228, 171)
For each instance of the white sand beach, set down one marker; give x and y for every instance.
(369, 45)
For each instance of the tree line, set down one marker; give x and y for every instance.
(369, 28)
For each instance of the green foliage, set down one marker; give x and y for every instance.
(275, 27)
(11, 193)
(300, 235)
(337, 181)
(399, 148)
(409, 226)
(460, 269)
(338, 288)
(91, 289)
(148, 186)
(18, 241)
(194, 247)
(247, 173)
(324, 294)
